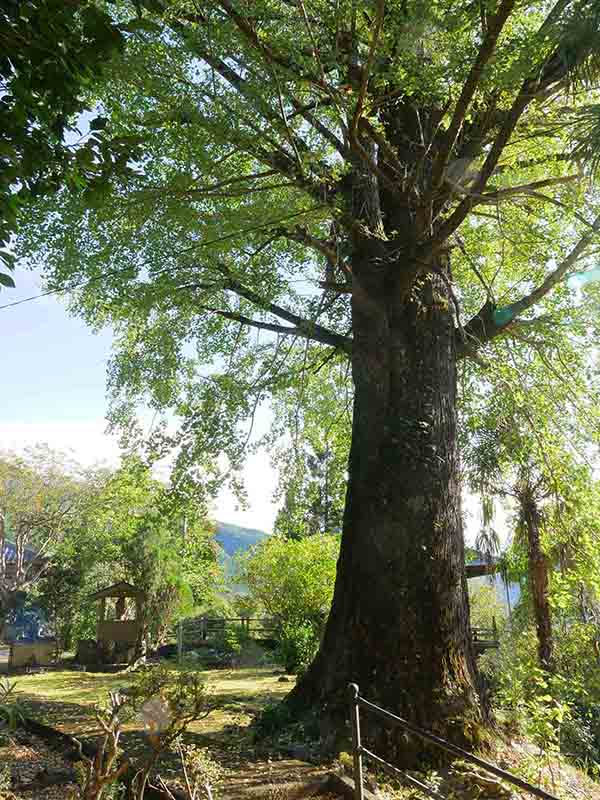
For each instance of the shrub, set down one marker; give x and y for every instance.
(272, 719)
(231, 640)
(167, 701)
(298, 645)
(580, 739)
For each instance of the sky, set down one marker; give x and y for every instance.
(54, 392)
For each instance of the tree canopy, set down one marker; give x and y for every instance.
(407, 185)
(229, 230)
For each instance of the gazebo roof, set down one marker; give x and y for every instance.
(121, 589)
(476, 569)
(482, 565)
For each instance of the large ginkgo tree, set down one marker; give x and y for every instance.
(397, 183)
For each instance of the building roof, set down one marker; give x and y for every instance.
(121, 589)
(482, 565)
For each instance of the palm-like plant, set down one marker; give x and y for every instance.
(11, 709)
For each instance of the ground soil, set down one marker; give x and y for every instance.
(24, 757)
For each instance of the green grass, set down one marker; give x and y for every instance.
(66, 700)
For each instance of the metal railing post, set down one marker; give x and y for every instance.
(356, 741)
(180, 642)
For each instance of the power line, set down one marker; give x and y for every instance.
(83, 282)
(33, 297)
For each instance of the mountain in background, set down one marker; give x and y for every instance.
(234, 539)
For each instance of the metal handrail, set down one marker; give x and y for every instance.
(358, 702)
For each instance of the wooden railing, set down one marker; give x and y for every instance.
(485, 638)
(202, 629)
(359, 751)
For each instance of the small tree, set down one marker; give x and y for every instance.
(293, 580)
(58, 593)
(160, 542)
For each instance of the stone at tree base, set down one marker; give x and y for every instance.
(344, 786)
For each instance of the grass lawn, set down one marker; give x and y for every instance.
(66, 700)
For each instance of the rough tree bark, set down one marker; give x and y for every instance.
(400, 598)
(539, 582)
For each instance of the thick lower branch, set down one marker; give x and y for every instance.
(306, 330)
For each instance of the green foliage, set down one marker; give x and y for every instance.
(293, 581)
(200, 770)
(121, 525)
(231, 641)
(182, 695)
(213, 238)
(560, 711)
(485, 606)
(273, 719)
(61, 594)
(312, 467)
(52, 54)
(298, 645)
(5, 784)
(12, 711)
(44, 497)
(163, 547)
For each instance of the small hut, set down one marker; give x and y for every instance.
(119, 624)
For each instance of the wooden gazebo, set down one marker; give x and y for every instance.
(123, 627)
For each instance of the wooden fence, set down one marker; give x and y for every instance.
(202, 630)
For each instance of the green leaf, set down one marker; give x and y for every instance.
(6, 280)
(98, 124)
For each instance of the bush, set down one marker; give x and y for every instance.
(558, 713)
(580, 739)
(273, 718)
(298, 645)
(230, 641)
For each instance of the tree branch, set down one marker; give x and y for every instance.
(302, 326)
(366, 72)
(269, 54)
(558, 274)
(302, 236)
(484, 327)
(494, 29)
(306, 330)
(525, 188)
(548, 73)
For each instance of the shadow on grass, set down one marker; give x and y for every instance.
(225, 731)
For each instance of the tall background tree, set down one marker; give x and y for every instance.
(42, 494)
(331, 181)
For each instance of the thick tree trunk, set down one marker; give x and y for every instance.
(399, 624)
(539, 582)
